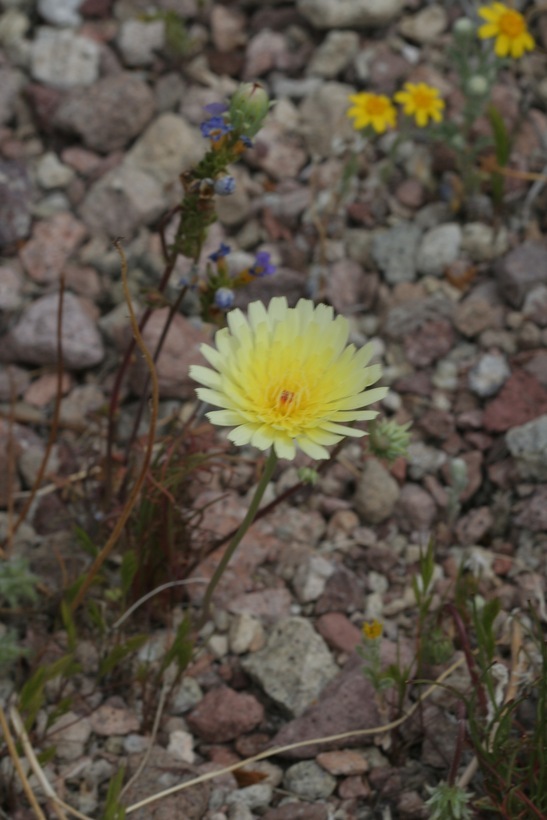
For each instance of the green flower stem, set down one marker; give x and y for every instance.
(234, 543)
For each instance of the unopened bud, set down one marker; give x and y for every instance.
(477, 86)
(248, 108)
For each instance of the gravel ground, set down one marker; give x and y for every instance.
(99, 115)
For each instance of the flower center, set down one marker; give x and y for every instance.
(423, 99)
(376, 107)
(512, 24)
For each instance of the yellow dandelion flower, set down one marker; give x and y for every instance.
(508, 27)
(422, 102)
(376, 110)
(286, 377)
(372, 630)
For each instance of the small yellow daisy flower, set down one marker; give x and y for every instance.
(286, 377)
(508, 27)
(372, 630)
(376, 110)
(422, 102)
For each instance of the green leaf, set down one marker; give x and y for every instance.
(502, 141)
(128, 569)
(180, 651)
(113, 810)
(70, 626)
(119, 653)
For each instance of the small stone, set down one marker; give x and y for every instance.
(349, 13)
(349, 285)
(489, 375)
(474, 315)
(71, 733)
(60, 12)
(224, 715)
(246, 634)
(34, 337)
(64, 59)
(310, 578)
(11, 83)
(424, 459)
(294, 666)
(110, 720)
(376, 493)
(324, 119)
(339, 632)
(181, 746)
(10, 290)
(186, 695)
(522, 269)
(395, 251)
(527, 444)
(278, 151)
(309, 781)
(532, 513)
(168, 147)
(344, 762)
(432, 341)
(51, 173)
(483, 243)
(415, 510)
(227, 28)
(520, 400)
(439, 248)
(113, 111)
(473, 527)
(257, 796)
(139, 40)
(15, 203)
(53, 241)
(535, 305)
(334, 54)
(425, 26)
(43, 390)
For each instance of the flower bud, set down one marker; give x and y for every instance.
(477, 85)
(224, 298)
(224, 186)
(463, 27)
(248, 108)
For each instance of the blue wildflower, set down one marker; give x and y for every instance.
(224, 186)
(216, 108)
(223, 251)
(262, 265)
(224, 298)
(214, 128)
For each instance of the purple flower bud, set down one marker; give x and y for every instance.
(224, 186)
(262, 265)
(224, 298)
(216, 108)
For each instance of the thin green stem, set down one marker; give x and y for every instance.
(234, 543)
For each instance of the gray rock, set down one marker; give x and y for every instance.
(60, 12)
(168, 147)
(52, 173)
(15, 202)
(308, 780)
(10, 291)
(483, 242)
(423, 460)
(522, 269)
(246, 634)
(349, 13)
(293, 667)
(64, 59)
(376, 493)
(70, 734)
(489, 374)
(34, 338)
(535, 305)
(324, 117)
(415, 510)
(310, 578)
(395, 250)
(413, 313)
(334, 54)
(186, 695)
(121, 201)
(257, 796)
(11, 83)
(528, 445)
(439, 248)
(139, 40)
(425, 26)
(109, 114)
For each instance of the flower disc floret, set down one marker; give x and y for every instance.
(508, 27)
(287, 378)
(375, 110)
(214, 128)
(421, 101)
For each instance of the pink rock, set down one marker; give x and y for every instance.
(224, 714)
(354, 786)
(348, 286)
(474, 315)
(415, 509)
(298, 811)
(110, 720)
(270, 605)
(278, 152)
(44, 389)
(521, 399)
(267, 50)
(345, 761)
(474, 526)
(227, 28)
(338, 631)
(522, 269)
(410, 193)
(533, 512)
(180, 350)
(52, 242)
(432, 341)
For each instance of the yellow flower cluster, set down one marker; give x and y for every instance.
(418, 100)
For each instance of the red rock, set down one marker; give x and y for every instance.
(53, 241)
(521, 399)
(437, 423)
(224, 714)
(533, 512)
(354, 787)
(346, 762)
(338, 631)
(415, 509)
(410, 193)
(432, 341)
